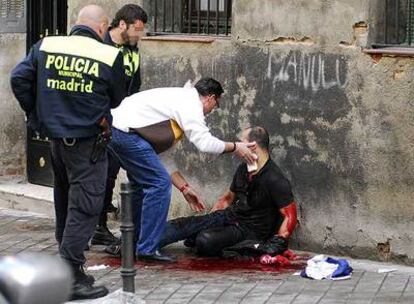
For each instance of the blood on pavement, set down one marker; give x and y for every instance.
(189, 262)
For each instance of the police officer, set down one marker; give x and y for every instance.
(124, 33)
(66, 86)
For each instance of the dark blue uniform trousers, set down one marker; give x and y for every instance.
(79, 190)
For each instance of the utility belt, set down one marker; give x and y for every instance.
(101, 141)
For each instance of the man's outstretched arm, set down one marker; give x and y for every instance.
(191, 196)
(290, 220)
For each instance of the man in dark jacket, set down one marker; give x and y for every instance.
(124, 33)
(67, 86)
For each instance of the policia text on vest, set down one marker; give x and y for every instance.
(78, 66)
(73, 69)
(77, 78)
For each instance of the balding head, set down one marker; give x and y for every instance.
(94, 17)
(257, 134)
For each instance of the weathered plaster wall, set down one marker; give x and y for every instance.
(341, 123)
(12, 126)
(325, 22)
(110, 6)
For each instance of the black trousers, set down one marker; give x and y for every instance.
(211, 233)
(113, 170)
(79, 189)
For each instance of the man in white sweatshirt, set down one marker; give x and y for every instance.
(150, 122)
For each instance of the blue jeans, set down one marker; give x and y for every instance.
(151, 184)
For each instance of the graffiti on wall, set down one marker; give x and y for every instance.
(309, 71)
(298, 96)
(303, 103)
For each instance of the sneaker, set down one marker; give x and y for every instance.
(103, 236)
(114, 250)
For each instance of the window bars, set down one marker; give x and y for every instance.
(199, 17)
(399, 23)
(45, 17)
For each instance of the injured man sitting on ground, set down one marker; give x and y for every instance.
(255, 217)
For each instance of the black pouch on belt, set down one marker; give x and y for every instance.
(99, 147)
(101, 141)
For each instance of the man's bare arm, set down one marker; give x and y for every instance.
(191, 196)
(290, 219)
(224, 201)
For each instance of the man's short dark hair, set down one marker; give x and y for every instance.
(129, 13)
(209, 86)
(260, 136)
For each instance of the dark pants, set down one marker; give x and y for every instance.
(212, 232)
(79, 189)
(113, 170)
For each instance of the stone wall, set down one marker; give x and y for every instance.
(341, 121)
(12, 126)
(110, 6)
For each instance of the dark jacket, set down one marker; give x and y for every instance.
(132, 64)
(67, 84)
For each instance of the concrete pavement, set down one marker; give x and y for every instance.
(196, 280)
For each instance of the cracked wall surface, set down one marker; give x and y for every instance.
(12, 126)
(341, 122)
(324, 22)
(341, 127)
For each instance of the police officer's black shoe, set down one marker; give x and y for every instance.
(83, 291)
(83, 286)
(80, 276)
(103, 236)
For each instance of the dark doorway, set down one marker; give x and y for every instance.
(44, 18)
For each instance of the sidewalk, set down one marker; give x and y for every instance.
(195, 280)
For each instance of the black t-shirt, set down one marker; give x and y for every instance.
(257, 203)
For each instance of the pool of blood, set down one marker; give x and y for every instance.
(189, 262)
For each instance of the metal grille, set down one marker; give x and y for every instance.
(399, 23)
(410, 23)
(12, 16)
(46, 17)
(200, 17)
